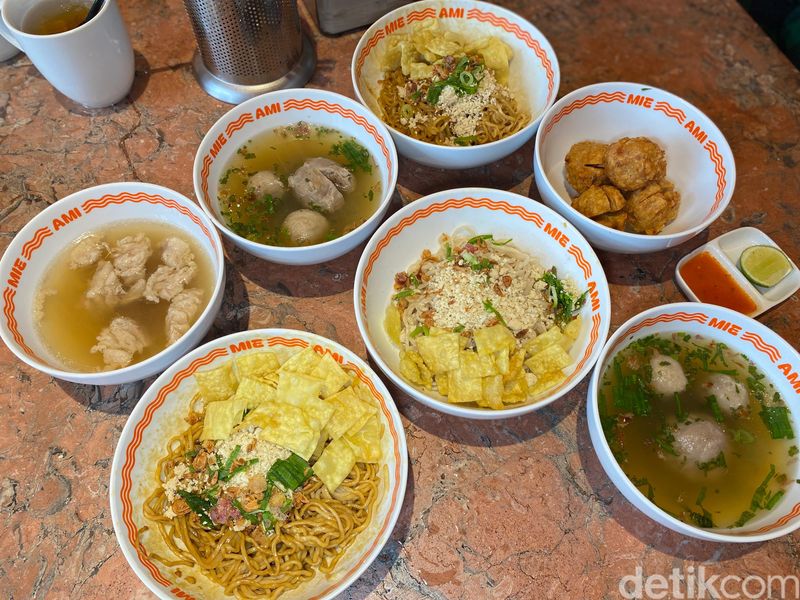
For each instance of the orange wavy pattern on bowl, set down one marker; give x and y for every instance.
(294, 104)
(661, 106)
(158, 401)
(41, 234)
(502, 206)
(735, 330)
(473, 14)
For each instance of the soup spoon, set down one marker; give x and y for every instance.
(93, 10)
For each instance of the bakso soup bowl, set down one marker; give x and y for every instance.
(533, 72)
(699, 162)
(535, 232)
(159, 417)
(717, 409)
(29, 327)
(236, 136)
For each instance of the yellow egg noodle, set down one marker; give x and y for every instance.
(275, 476)
(439, 87)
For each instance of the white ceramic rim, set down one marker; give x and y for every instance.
(547, 47)
(593, 415)
(279, 96)
(583, 219)
(455, 409)
(55, 210)
(150, 396)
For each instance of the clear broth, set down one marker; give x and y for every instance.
(641, 443)
(282, 152)
(69, 325)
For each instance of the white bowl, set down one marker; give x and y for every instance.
(159, 414)
(28, 257)
(775, 357)
(285, 107)
(534, 68)
(699, 160)
(534, 228)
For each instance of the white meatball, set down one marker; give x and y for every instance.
(700, 441)
(266, 182)
(730, 394)
(306, 226)
(668, 376)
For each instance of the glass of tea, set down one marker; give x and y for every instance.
(89, 62)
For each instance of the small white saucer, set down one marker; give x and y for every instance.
(727, 249)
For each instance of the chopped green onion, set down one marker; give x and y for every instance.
(290, 472)
(465, 140)
(489, 307)
(420, 330)
(776, 418)
(406, 111)
(565, 305)
(716, 463)
(742, 436)
(679, 414)
(466, 78)
(458, 329)
(200, 506)
(404, 294)
(758, 500)
(355, 154)
(713, 404)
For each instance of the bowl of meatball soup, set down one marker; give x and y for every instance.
(694, 413)
(296, 176)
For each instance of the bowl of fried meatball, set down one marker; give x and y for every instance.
(634, 168)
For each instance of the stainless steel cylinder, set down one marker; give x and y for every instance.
(248, 47)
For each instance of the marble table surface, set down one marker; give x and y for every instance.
(509, 509)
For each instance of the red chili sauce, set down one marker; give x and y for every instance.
(711, 283)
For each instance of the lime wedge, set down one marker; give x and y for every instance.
(764, 265)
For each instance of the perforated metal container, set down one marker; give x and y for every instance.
(249, 47)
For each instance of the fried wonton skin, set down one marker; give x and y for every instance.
(598, 200)
(652, 208)
(632, 163)
(584, 165)
(615, 220)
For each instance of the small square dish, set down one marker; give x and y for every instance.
(718, 279)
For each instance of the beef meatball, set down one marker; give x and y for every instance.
(632, 163)
(731, 395)
(652, 208)
(668, 376)
(598, 200)
(584, 165)
(306, 226)
(700, 441)
(265, 182)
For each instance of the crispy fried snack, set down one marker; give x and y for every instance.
(632, 163)
(598, 200)
(652, 208)
(584, 165)
(615, 220)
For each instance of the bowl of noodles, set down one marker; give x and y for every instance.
(267, 463)
(481, 303)
(458, 84)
